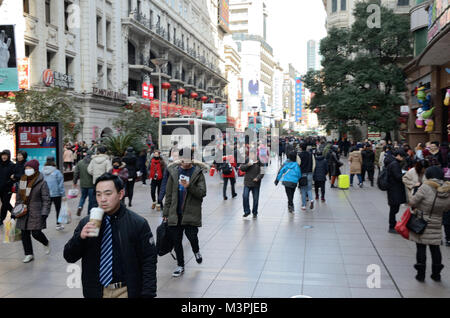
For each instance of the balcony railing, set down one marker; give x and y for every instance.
(156, 28)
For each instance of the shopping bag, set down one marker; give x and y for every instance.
(65, 217)
(72, 194)
(211, 171)
(401, 227)
(12, 234)
(164, 242)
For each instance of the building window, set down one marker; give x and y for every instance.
(343, 5)
(108, 34)
(151, 18)
(28, 50)
(403, 2)
(99, 30)
(158, 22)
(48, 11)
(333, 5)
(168, 31)
(131, 54)
(26, 6)
(69, 65)
(100, 75)
(174, 35)
(139, 6)
(109, 79)
(66, 14)
(50, 59)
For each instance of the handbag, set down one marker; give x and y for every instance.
(19, 210)
(401, 226)
(72, 193)
(303, 182)
(418, 225)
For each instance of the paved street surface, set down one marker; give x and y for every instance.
(319, 253)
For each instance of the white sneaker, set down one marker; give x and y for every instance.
(59, 227)
(178, 271)
(47, 249)
(28, 258)
(303, 208)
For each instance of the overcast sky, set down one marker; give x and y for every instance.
(291, 23)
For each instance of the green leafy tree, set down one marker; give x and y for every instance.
(137, 121)
(117, 145)
(362, 79)
(52, 105)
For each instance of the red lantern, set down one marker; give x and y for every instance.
(165, 85)
(181, 91)
(227, 106)
(374, 107)
(204, 98)
(194, 95)
(212, 101)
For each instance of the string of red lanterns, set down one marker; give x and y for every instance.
(165, 85)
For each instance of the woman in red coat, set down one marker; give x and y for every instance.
(157, 167)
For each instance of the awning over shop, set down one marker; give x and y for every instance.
(437, 51)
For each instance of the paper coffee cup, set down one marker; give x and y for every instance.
(96, 217)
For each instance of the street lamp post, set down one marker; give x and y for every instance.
(159, 63)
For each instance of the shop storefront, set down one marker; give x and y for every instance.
(429, 80)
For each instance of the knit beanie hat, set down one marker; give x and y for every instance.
(33, 164)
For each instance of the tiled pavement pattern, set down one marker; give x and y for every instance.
(319, 253)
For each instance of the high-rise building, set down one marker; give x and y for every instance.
(312, 53)
(248, 25)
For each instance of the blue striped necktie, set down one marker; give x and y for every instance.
(106, 255)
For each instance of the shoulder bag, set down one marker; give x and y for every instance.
(418, 225)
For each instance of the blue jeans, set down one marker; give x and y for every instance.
(246, 199)
(359, 178)
(307, 190)
(85, 192)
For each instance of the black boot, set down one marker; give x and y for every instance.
(436, 272)
(420, 272)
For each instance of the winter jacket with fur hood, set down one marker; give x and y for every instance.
(422, 201)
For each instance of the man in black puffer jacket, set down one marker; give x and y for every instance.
(7, 169)
(368, 163)
(130, 269)
(320, 175)
(130, 160)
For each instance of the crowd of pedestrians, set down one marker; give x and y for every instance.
(416, 176)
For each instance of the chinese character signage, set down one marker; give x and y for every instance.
(9, 80)
(298, 99)
(23, 68)
(57, 79)
(40, 140)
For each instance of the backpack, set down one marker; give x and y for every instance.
(383, 180)
(227, 168)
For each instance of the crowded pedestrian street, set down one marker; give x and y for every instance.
(332, 250)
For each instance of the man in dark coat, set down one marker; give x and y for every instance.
(368, 163)
(7, 170)
(320, 175)
(252, 183)
(130, 160)
(396, 192)
(130, 269)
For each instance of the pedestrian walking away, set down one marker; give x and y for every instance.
(368, 163)
(186, 188)
(119, 259)
(355, 159)
(34, 195)
(307, 165)
(55, 182)
(320, 175)
(86, 183)
(99, 164)
(289, 175)
(430, 202)
(396, 192)
(227, 168)
(130, 160)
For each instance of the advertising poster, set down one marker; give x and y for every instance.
(221, 113)
(209, 112)
(39, 140)
(224, 14)
(23, 69)
(9, 80)
(298, 99)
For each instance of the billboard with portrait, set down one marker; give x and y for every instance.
(40, 140)
(9, 80)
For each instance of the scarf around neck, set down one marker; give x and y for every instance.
(25, 186)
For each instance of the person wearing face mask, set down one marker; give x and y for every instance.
(7, 169)
(34, 193)
(119, 169)
(157, 168)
